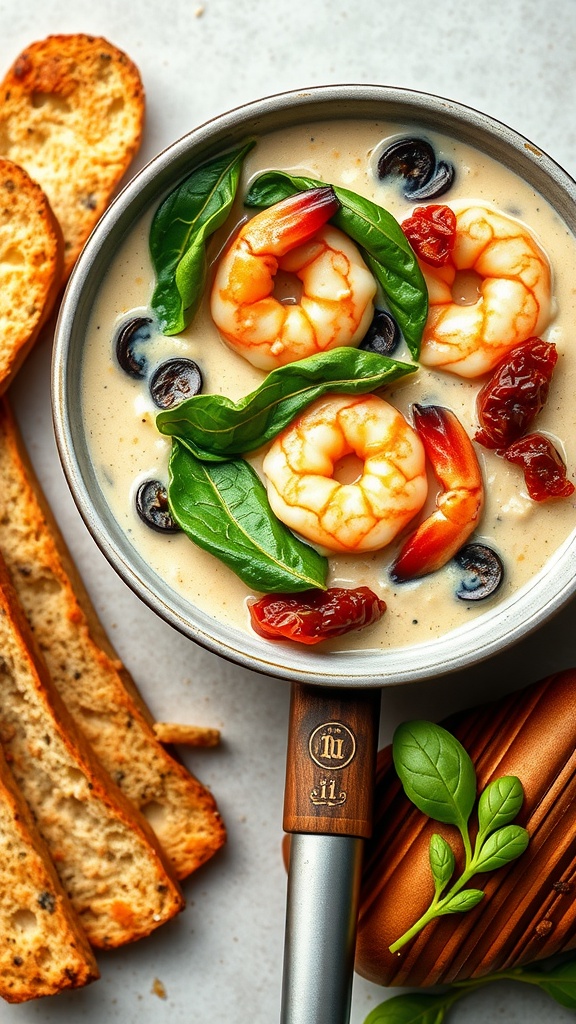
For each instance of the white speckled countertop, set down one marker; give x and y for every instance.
(221, 960)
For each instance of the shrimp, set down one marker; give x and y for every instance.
(496, 258)
(459, 504)
(337, 289)
(301, 473)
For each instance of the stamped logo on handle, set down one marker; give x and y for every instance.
(332, 746)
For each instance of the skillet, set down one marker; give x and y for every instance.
(335, 701)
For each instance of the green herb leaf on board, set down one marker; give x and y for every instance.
(441, 862)
(501, 847)
(436, 772)
(438, 777)
(462, 901)
(499, 804)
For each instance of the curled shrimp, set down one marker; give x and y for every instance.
(363, 515)
(459, 504)
(337, 289)
(493, 294)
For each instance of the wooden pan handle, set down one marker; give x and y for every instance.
(330, 771)
(330, 767)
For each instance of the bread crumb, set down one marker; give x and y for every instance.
(158, 989)
(199, 11)
(188, 735)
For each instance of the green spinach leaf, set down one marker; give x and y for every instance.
(461, 902)
(224, 509)
(441, 862)
(179, 232)
(499, 804)
(215, 428)
(436, 772)
(501, 847)
(413, 1008)
(388, 253)
(558, 980)
(439, 778)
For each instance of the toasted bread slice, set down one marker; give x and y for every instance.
(31, 261)
(96, 688)
(44, 950)
(71, 114)
(103, 849)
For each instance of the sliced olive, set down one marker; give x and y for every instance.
(438, 184)
(174, 381)
(383, 335)
(484, 572)
(415, 161)
(411, 159)
(128, 341)
(152, 507)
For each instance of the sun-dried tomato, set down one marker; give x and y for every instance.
(544, 470)
(515, 393)
(315, 615)
(431, 231)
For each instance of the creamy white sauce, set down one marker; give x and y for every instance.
(126, 447)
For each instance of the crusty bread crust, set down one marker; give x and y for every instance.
(44, 950)
(104, 851)
(96, 688)
(72, 114)
(31, 262)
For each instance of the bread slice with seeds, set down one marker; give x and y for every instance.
(72, 114)
(104, 851)
(43, 950)
(31, 262)
(96, 688)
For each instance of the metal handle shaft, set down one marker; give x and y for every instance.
(323, 891)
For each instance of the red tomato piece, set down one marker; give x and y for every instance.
(431, 231)
(544, 470)
(315, 615)
(515, 393)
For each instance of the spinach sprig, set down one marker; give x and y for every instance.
(385, 247)
(439, 778)
(557, 978)
(179, 232)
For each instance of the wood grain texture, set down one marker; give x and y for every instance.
(529, 910)
(330, 763)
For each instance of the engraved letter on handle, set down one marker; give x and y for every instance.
(330, 766)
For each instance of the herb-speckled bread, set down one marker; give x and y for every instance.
(31, 261)
(71, 114)
(43, 949)
(104, 851)
(97, 690)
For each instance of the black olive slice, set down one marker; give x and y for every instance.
(484, 572)
(129, 338)
(174, 381)
(383, 335)
(438, 184)
(412, 159)
(152, 507)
